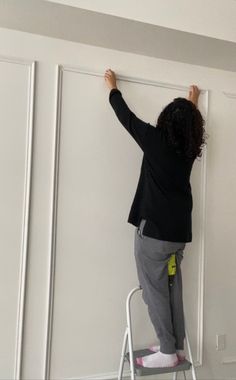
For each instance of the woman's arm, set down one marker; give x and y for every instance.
(137, 128)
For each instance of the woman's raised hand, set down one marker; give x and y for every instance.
(110, 79)
(193, 94)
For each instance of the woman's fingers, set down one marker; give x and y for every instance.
(194, 90)
(110, 78)
(110, 72)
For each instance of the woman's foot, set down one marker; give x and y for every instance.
(179, 353)
(158, 360)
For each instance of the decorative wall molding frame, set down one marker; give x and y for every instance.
(26, 211)
(54, 204)
(231, 95)
(60, 69)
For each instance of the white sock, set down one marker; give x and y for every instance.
(154, 348)
(159, 359)
(180, 353)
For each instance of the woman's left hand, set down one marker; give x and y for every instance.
(110, 79)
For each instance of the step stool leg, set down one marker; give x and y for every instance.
(190, 353)
(123, 352)
(129, 327)
(128, 337)
(175, 375)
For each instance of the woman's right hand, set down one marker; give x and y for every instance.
(193, 94)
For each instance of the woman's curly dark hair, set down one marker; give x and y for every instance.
(182, 125)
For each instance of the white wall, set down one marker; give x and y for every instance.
(78, 204)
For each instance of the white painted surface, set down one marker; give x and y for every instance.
(15, 95)
(99, 164)
(117, 33)
(213, 18)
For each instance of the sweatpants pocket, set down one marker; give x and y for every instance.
(140, 228)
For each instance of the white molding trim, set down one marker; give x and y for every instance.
(231, 95)
(59, 75)
(17, 60)
(54, 204)
(229, 360)
(201, 264)
(129, 79)
(103, 376)
(26, 212)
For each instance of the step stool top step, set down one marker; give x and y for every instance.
(184, 365)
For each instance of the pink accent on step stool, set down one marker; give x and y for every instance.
(139, 361)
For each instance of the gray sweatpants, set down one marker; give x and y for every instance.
(164, 302)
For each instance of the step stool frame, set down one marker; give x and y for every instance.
(128, 340)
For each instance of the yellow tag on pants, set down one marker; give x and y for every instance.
(172, 265)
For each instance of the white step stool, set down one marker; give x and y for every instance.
(131, 355)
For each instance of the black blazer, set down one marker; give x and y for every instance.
(163, 195)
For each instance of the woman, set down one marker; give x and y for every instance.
(161, 211)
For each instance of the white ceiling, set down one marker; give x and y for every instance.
(211, 18)
(112, 32)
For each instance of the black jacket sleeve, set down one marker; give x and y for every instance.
(137, 128)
